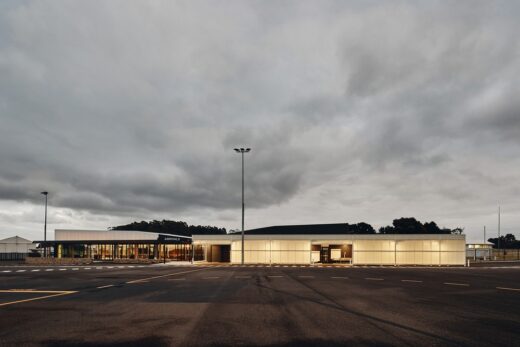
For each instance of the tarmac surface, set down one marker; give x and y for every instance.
(128, 305)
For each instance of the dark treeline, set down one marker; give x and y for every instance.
(508, 241)
(172, 227)
(413, 226)
(399, 226)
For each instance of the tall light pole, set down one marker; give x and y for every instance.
(242, 151)
(45, 226)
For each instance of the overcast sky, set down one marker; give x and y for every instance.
(355, 111)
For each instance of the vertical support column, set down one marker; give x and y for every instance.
(395, 252)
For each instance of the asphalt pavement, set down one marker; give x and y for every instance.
(259, 306)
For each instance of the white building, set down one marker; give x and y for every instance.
(15, 248)
(330, 243)
(479, 250)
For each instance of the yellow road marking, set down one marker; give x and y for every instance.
(53, 293)
(162, 276)
(505, 288)
(456, 284)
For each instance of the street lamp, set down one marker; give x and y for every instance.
(242, 151)
(45, 226)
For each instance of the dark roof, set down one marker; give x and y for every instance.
(305, 229)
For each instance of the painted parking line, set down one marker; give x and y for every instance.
(374, 279)
(340, 277)
(456, 284)
(107, 286)
(506, 288)
(51, 294)
(413, 281)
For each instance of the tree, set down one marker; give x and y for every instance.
(361, 228)
(171, 227)
(411, 225)
(507, 241)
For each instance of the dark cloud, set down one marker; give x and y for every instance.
(363, 111)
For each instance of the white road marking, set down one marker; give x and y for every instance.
(456, 284)
(49, 270)
(87, 268)
(130, 266)
(110, 267)
(75, 269)
(374, 279)
(35, 270)
(107, 286)
(340, 277)
(506, 288)
(63, 269)
(99, 267)
(20, 270)
(6, 271)
(414, 281)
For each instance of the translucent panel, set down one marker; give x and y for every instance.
(373, 245)
(335, 254)
(453, 245)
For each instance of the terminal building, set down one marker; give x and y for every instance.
(289, 244)
(118, 244)
(330, 243)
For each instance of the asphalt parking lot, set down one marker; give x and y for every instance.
(260, 306)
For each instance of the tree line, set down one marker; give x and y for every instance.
(172, 227)
(508, 241)
(399, 226)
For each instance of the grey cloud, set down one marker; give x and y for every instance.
(125, 110)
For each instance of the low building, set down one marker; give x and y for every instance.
(118, 244)
(479, 251)
(15, 248)
(330, 243)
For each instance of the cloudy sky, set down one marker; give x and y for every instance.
(354, 110)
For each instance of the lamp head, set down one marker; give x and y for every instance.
(44, 193)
